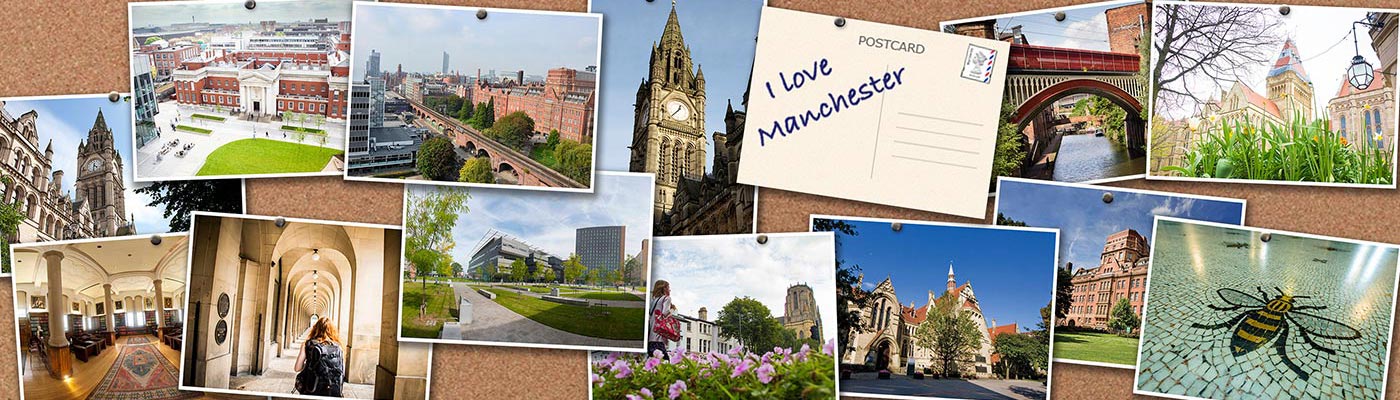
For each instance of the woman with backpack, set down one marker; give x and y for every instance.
(320, 366)
(664, 327)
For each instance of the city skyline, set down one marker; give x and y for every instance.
(234, 12)
(721, 36)
(705, 271)
(1085, 221)
(400, 34)
(66, 121)
(549, 220)
(1011, 286)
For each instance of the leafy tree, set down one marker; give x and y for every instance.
(513, 130)
(574, 160)
(476, 170)
(465, 112)
(424, 260)
(518, 270)
(179, 198)
(950, 332)
(573, 269)
(553, 139)
(543, 273)
(1011, 145)
(479, 116)
(1003, 220)
(1021, 355)
(489, 120)
(436, 158)
(1202, 43)
(11, 215)
(751, 323)
(456, 269)
(1064, 291)
(428, 222)
(1121, 318)
(850, 297)
(153, 39)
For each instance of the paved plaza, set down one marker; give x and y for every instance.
(902, 385)
(494, 322)
(1182, 354)
(151, 164)
(280, 377)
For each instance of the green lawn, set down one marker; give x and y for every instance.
(603, 296)
(619, 323)
(312, 131)
(543, 155)
(192, 129)
(208, 117)
(265, 156)
(1096, 347)
(442, 307)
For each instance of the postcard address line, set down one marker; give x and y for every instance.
(928, 146)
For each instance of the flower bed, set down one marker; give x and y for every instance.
(778, 374)
(208, 117)
(309, 131)
(1296, 151)
(192, 129)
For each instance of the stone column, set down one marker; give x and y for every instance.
(111, 312)
(60, 356)
(160, 310)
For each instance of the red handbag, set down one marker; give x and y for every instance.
(665, 326)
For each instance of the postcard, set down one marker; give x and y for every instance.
(1247, 94)
(1246, 313)
(984, 332)
(1105, 243)
(687, 126)
(265, 295)
(72, 177)
(769, 335)
(528, 268)
(1073, 110)
(429, 103)
(873, 112)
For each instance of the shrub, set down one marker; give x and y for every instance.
(436, 158)
(778, 374)
(208, 117)
(476, 170)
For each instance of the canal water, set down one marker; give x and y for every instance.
(1087, 157)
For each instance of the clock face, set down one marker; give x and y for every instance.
(677, 110)
(94, 165)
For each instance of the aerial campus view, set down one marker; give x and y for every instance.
(226, 94)
(533, 268)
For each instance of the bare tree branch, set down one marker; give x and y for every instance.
(1211, 45)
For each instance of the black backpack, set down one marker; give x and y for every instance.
(322, 374)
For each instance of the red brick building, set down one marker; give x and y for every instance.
(1121, 273)
(1125, 27)
(564, 102)
(267, 82)
(166, 60)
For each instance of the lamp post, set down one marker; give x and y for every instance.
(1360, 74)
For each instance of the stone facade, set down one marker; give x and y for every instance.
(1289, 95)
(885, 338)
(1121, 273)
(1365, 117)
(800, 313)
(267, 83)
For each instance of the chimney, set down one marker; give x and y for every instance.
(704, 314)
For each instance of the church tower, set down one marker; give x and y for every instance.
(952, 283)
(100, 179)
(668, 138)
(1289, 86)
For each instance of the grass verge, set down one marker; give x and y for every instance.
(192, 129)
(309, 131)
(600, 322)
(264, 156)
(441, 301)
(208, 117)
(624, 296)
(1096, 347)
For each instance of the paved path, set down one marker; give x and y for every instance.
(866, 382)
(279, 378)
(151, 165)
(494, 322)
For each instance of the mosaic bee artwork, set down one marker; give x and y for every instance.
(1265, 320)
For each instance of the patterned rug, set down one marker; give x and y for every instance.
(138, 340)
(140, 373)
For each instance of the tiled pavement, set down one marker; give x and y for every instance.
(1192, 262)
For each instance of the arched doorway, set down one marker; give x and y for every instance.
(883, 354)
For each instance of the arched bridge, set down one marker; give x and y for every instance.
(504, 160)
(1038, 76)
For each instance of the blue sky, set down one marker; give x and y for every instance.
(233, 12)
(721, 35)
(1012, 271)
(66, 121)
(1085, 220)
(548, 220)
(504, 41)
(1083, 28)
(709, 271)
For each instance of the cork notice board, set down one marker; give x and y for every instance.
(80, 46)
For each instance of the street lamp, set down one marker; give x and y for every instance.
(1360, 74)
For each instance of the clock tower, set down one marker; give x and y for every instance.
(100, 181)
(668, 138)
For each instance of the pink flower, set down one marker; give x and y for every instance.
(734, 351)
(765, 373)
(676, 389)
(830, 347)
(741, 368)
(634, 397)
(598, 379)
(651, 364)
(611, 357)
(802, 354)
(622, 369)
(658, 354)
(646, 392)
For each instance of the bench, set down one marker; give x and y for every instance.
(487, 293)
(566, 300)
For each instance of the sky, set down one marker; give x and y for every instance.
(710, 271)
(1323, 36)
(721, 35)
(549, 220)
(67, 121)
(1012, 271)
(233, 12)
(417, 37)
(1085, 221)
(1083, 28)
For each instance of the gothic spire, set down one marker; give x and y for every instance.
(673, 27)
(101, 123)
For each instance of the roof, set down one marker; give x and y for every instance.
(914, 315)
(1259, 100)
(1288, 60)
(1347, 90)
(997, 330)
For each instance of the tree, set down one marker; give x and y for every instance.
(11, 215)
(1064, 290)
(553, 139)
(1021, 355)
(465, 112)
(478, 118)
(489, 120)
(750, 322)
(573, 269)
(436, 158)
(518, 270)
(1010, 151)
(179, 198)
(1121, 318)
(456, 269)
(476, 170)
(574, 160)
(153, 39)
(543, 273)
(1200, 48)
(287, 116)
(428, 222)
(950, 332)
(850, 297)
(424, 261)
(513, 130)
(1003, 220)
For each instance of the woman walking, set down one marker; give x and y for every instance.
(320, 366)
(664, 327)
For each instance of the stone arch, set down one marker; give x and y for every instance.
(663, 160)
(1037, 103)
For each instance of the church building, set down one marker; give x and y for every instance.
(885, 339)
(1288, 95)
